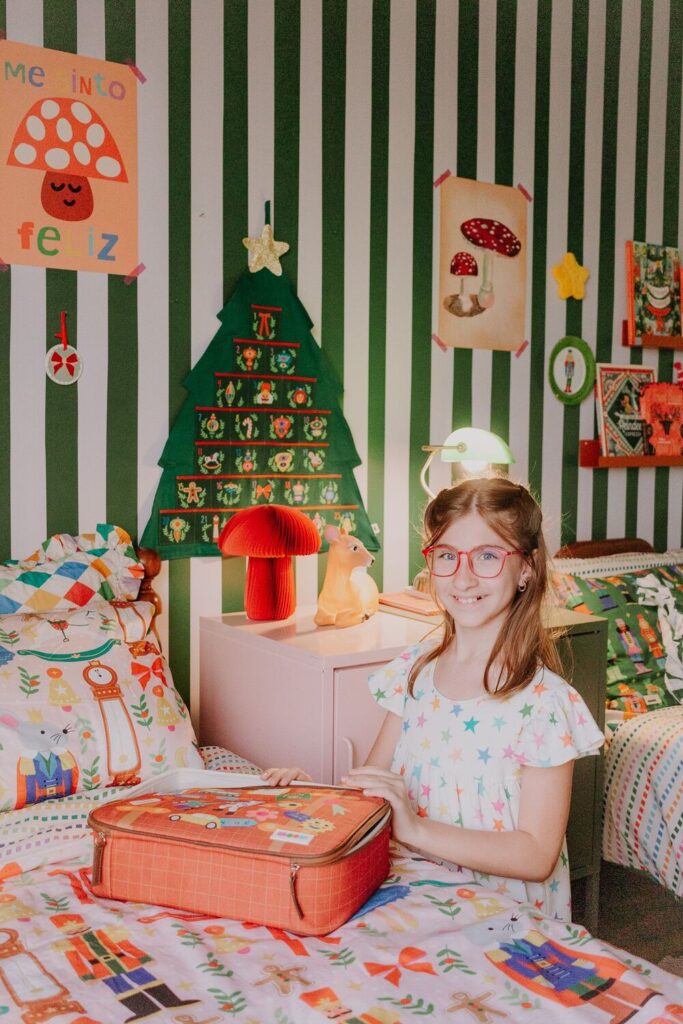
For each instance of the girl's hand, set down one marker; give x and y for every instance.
(380, 782)
(284, 776)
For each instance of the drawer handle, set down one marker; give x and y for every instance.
(349, 754)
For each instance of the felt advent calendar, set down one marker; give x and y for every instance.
(262, 425)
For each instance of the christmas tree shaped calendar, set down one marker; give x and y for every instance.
(261, 424)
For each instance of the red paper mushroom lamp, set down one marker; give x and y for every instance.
(70, 143)
(464, 265)
(269, 535)
(493, 237)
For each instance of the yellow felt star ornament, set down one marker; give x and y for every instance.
(265, 252)
(571, 277)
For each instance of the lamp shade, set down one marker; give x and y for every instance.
(470, 444)
(474, 448)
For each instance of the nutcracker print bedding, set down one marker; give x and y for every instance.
(640, 594)
(89, 713)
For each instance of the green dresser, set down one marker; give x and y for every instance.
(584, 656)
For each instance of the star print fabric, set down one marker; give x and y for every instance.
(462, 760)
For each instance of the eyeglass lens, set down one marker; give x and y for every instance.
(484, 561)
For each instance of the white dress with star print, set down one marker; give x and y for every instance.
(462, 760)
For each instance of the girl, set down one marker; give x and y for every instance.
(476, 751)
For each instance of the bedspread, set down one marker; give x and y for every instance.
(644, 796)
(427, 945)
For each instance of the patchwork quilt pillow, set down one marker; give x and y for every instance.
(86, 701)
(70, 572)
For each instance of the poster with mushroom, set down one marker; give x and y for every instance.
(68, 161)
(482, 265)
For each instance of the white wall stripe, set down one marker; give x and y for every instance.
(655, 214)
(523, 173)
(206, 274)
(27, 410)
(27, 357)
(151, 55)
(558, 185)
(357, 154)
(92, 333)
(445, 158)
(309, 287)
(482, 361)
(261, 107)
(591, 239)
(399, 292)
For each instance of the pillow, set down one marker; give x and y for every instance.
(86, 701)
(70, 572)
(638, 665)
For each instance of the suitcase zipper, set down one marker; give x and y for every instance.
(101, 832)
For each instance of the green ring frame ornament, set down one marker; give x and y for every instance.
(581, 349)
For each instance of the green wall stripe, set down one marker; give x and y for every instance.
(607, 247)
(506, 40)
(122, 363)
(539, 213)
(333, 177)
(423, 191)
(575, 225)
(235, 206)
(635, 355)
(468, 91)
(5, 311)
(286, 172)
(377, 301)
(61, 402)
(669, 233)
(180, 305)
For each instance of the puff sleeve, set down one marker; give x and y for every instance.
(558, 727)
(389, 684)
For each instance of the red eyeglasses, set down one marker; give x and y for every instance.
(485, 561)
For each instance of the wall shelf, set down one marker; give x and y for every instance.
(590, 458)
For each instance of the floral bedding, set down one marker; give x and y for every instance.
(426, 946)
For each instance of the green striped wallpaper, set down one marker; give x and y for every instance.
(342, 113)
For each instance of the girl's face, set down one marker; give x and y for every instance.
(473, 602)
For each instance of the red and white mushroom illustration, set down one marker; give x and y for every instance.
(493, 237)
(70, 142)
(463, 265)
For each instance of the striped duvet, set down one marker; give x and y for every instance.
(644, 796)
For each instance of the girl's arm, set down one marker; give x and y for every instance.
(528, 853)
(382, 750)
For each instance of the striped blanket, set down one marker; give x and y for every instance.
(644, 796)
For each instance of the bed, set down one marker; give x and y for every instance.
(640, 592)
(427, 945)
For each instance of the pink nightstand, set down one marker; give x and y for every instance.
(291, 692)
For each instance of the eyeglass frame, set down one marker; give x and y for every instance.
(456, 551)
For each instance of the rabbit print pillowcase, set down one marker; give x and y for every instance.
(86, 701)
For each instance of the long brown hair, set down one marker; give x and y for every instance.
(523, 644)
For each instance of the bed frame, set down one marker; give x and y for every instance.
(599, 548)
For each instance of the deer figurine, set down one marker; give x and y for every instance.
(347, 597)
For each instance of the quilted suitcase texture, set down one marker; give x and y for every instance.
(302, 858)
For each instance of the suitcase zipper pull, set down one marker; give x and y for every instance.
(100, 840)
(292, 888)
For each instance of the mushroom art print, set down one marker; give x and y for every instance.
(68, 161)
(482, 265)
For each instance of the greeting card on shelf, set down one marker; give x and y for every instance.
(661, 409)
(653, 288)
(620, 426)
